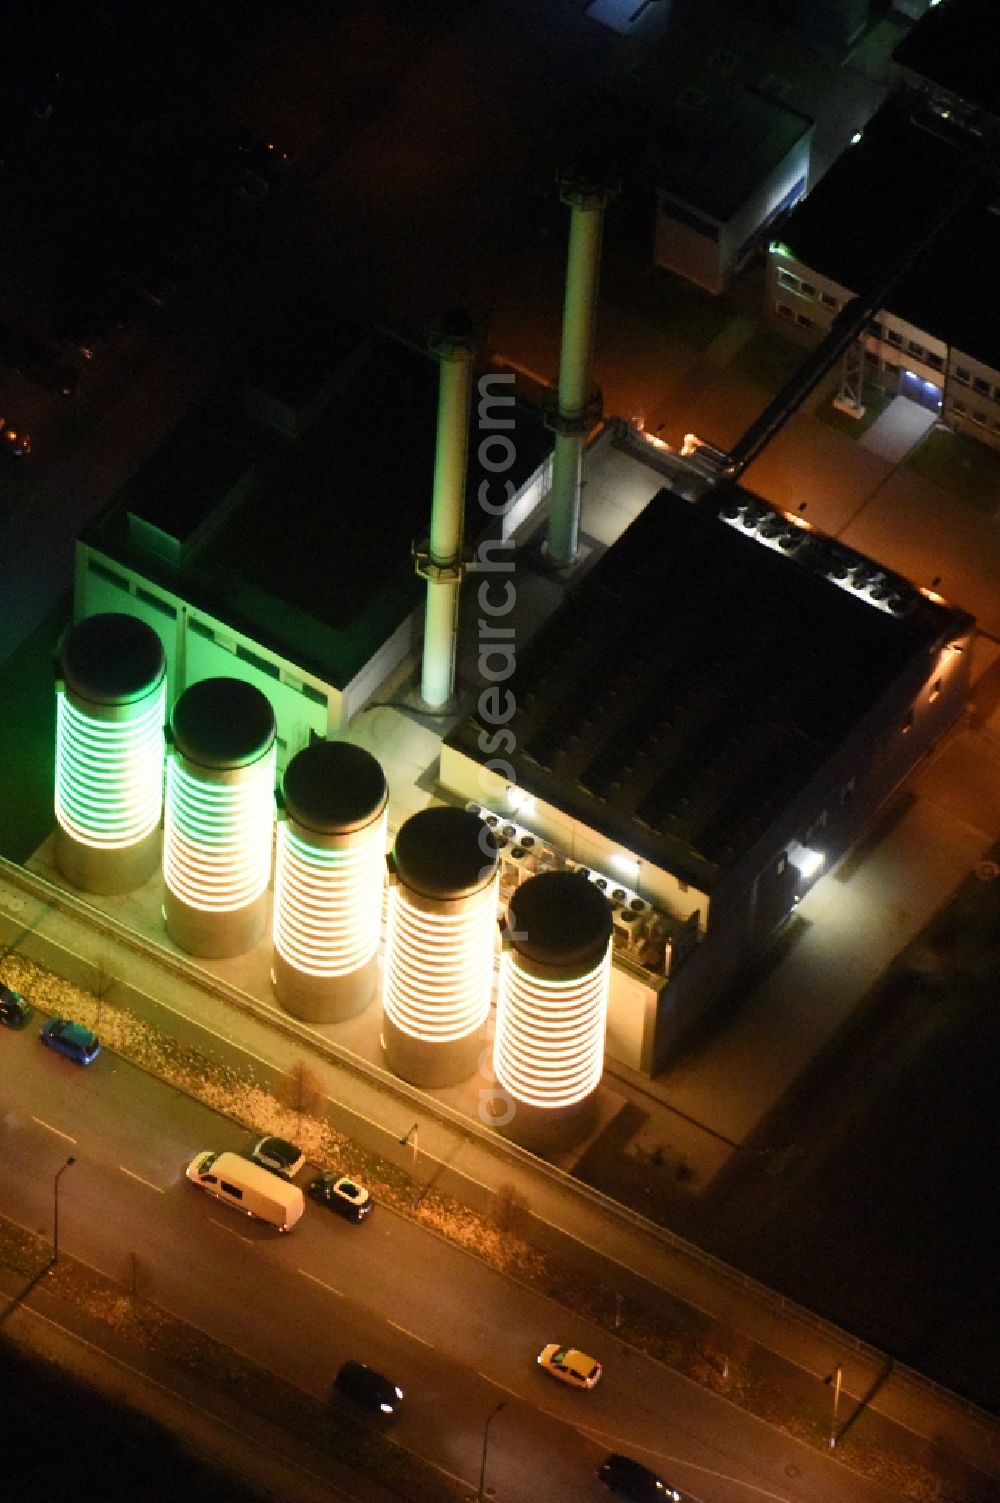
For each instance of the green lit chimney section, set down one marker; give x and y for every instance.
(110, 712)
(219, 818)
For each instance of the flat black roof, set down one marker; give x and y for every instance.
(954, 47)
(696, 680)
(186, 478)
(735, 150)
(314, 562)
(877, 200)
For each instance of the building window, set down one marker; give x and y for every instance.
(979, 418)
(828, 300)
(876, 328)
(981, 387)
(960, 408)
(961, 374)
(935, 361)
(807, 289)
(915, 349)
(894, 338)
(935, 691)
(786, 279)
(783, 310)
(891, 365)
(807, 323)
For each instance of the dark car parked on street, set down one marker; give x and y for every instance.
(72, 1039)
(340, 1194)
(14, 1011)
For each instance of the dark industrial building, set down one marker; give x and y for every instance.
(270, 536)
(919, 187)
(721, 705)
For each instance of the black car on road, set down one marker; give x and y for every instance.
(630, 1479)
(367, 1388)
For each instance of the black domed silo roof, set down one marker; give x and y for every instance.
(223, 722)
(111, 658)
(334, 787)
(559, 918)
(445, 853)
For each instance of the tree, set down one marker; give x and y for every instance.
(301, 1090)
(104, 980)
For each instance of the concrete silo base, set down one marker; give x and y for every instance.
(544, 1130)
(427, 1064)
(107, 871)
(323, 999)
(214, 936)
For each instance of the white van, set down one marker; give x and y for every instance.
(251, 1189)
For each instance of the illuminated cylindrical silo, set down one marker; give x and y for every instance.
(328, 881)
(219, 817)
(439, 946)
(110, 712)
(548, 1051)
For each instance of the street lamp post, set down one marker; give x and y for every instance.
(411, 1138)
(55, 1207)
(481, 1495)
(837, 1380)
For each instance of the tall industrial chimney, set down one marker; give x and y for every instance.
(587, 199)
(439, 561)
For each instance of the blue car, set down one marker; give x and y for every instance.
(71, 1039)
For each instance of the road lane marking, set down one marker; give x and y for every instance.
(422, 1339)
(57, 1130)
(147, 1182)
(230, 1229)
(307, 1275)
(512, 1391)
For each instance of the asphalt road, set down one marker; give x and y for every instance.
(456, 1336)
